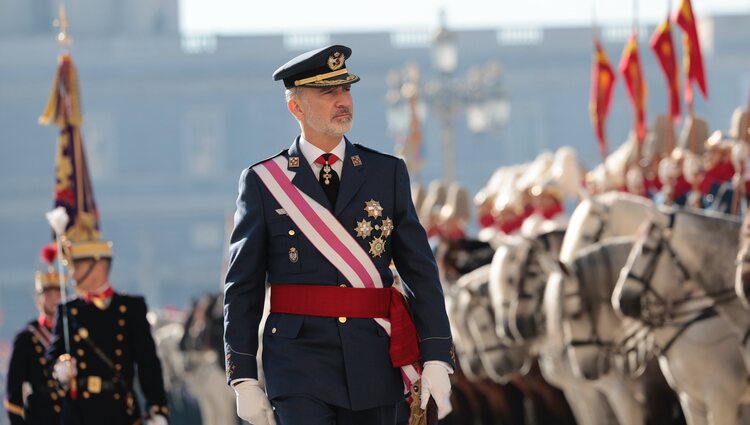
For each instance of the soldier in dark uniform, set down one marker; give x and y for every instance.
(33, 397)
(323, 365)
(109, 339)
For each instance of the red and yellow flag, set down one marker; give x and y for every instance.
(663, 47)
(693, 58)
(630, 67)
(602, 85)
(73, 189)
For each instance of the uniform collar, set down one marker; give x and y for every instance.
(312, 152)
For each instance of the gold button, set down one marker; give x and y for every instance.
(50, 383)
(117, 396)
(118, 366)
(80, 352)
(86, 394)
(118, 352)
(120, 337)
(292, 232)
(42, 361)
(123, 309)
(57, 408)
(273, 331)
(34, 339)
(121, 322)
(82, 366)
(74, 311)
(83, 332)
(53, 396)
(342, 319)
(61, 393)
(38, 349)
(76, 338)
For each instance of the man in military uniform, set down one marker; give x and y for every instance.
(321, 222)
(33, 397)
(109, 337)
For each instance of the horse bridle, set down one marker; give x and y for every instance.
(665, 314)
(588, 309)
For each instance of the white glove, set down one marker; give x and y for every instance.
(65, 369)
(157, 420)
(436, 383)
(252, 404)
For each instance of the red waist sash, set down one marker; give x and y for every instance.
(364, 303)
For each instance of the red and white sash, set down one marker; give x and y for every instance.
(328, 235)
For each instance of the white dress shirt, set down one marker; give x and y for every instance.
(312, 152)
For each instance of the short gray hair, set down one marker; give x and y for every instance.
(291, 93)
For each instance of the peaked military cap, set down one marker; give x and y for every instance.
(323, 67)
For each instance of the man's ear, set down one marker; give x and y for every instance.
(295, 108)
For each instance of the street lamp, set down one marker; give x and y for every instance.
(481, 94)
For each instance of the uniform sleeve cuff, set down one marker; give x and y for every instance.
(438, 349)
(240, 366)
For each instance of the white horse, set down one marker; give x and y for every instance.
(498, 358)
(676, 258)
(594, 334)
(517, 285)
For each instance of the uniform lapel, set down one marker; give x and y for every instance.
(304, 178)
(352, 177)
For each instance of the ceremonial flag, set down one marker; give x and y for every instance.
(602, 85)
(73, 190)
(692, 57)
(630, 67)
(663, 47)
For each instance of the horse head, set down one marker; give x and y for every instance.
(590, 325)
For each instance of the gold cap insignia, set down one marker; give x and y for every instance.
(356, 161)
(335, 61)
(293, 161)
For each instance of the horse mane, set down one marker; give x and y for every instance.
(597, 268)
(626, 212)
(695, 230)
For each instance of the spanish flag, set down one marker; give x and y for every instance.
(693, 59)
(630, 67)
(602, 85)
(663, 47)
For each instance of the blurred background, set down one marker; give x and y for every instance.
(178, 99)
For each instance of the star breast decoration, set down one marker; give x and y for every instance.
(373, 208)
(365, 227)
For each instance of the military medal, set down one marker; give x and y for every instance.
(364, 228)
(356, 161)
(293, 161)
(293, 255)
(377, 247)
(373, 208)
(386, 227)
(327, 174)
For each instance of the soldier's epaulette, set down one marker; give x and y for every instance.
(368, 149)
(284, 152)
